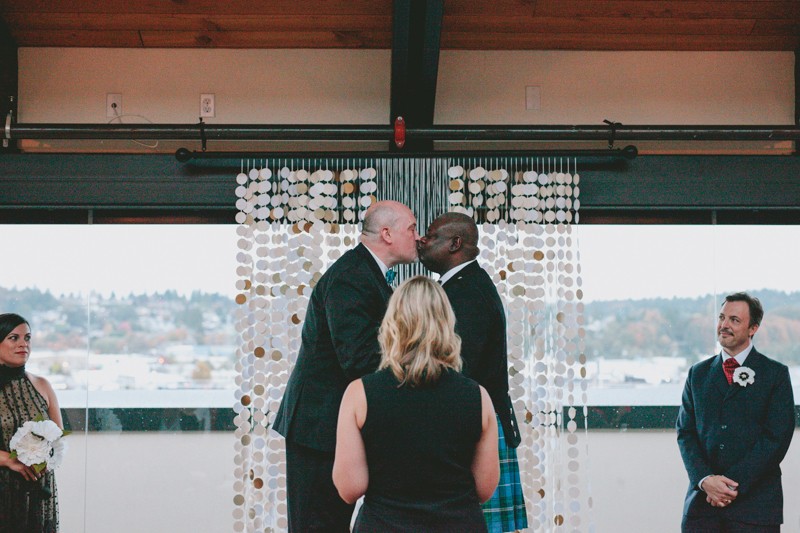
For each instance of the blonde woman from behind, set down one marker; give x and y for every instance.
(417, 438)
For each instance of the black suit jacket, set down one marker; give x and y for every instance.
(339, 344)
(740, 432)
(481, 324)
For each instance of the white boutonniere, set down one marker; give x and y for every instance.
(744, 376)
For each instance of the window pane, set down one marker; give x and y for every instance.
(652, 297)
(133, 325)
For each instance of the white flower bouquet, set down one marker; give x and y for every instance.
(39, 444)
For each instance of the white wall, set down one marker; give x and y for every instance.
(638, 482)
(69, 85)
(147, 482)
(628, 87)
(250, 86)
(176, 483)
(353, 86)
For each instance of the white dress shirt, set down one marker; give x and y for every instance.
(453, 271)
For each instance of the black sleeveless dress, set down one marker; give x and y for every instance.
(25, 506)
(419, 444)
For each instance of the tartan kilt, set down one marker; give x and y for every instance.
(505, 510)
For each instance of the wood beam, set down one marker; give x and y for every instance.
(9, 91)
(417, 30)
(797, 95)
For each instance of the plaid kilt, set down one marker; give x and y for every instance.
(505, 510)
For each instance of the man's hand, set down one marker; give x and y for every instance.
(720, 490)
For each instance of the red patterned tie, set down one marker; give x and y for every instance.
(729, 365)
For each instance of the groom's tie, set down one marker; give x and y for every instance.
(390, 276)
(729, 365)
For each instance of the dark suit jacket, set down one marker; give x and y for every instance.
(740, 432)
(481, 324)
(339, 344)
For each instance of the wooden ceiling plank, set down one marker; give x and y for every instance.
(196, 22)
(576, 41)
(598, 25)
(82, 38)
(266, 39)
(776, 27)
(514, 8)
(210, 7)
(502, 24)
(737, 9)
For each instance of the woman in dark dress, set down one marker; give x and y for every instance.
(417, 438)
(28, 501)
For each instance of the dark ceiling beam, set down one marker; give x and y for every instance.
(416, 37)
(797, 96)
(9, 69)
(74, 182)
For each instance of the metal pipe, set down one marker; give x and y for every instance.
(283, 132)
(629, 152)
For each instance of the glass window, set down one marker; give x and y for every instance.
(653, 294)
(133, 326)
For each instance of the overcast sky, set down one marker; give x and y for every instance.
(618, 262)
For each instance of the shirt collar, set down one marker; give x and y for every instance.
(741, 356)
(453, 271)
(377, 259)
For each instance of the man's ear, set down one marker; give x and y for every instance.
(386, 235)
(455, 244)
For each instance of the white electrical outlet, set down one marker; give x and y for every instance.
(207, 105)
(113, 105)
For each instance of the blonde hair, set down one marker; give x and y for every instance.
(417, 336)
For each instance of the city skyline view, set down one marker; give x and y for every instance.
(153, 329)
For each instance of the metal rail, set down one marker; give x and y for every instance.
(323, 132)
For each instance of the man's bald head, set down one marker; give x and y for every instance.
(461, 225)
(389, 229)
(384, 214)
(451, 239)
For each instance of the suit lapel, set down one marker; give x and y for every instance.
(377, 276)
(717, 376)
